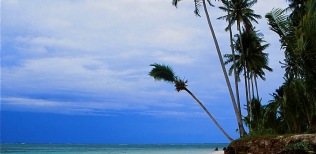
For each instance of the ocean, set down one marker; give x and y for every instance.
(109, 149)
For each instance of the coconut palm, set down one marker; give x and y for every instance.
(255, 59)
(234, 65)
(165, 73)
(254, 56)
(198, 4)
(297, 35)
(239, 11)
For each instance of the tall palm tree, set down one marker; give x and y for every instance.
(258, 60)
(197, 12)
(255, 59)
(239, 11)
(165, 73)
(234, 65)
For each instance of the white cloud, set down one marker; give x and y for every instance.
(64, 107)
(101, 50)
(81, 73)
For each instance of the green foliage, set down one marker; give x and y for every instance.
(253, 58)
(304, 146)
(255, 136)
(240, 11)
(162, 72)
(180, 84)
(165, 73)
(197, 5)
(298, 93)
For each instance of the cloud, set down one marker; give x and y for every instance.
(78, 73)
(93, 56)
(42, 105)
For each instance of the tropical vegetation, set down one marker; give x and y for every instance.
(165, 73)
(197, 4)
(295, 100)
(292, 108)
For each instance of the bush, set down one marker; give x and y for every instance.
(298, 147)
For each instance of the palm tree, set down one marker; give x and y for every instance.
(197, 12)
(254, 56)
(298, 8)
(256, 61)
(165, 73)
(239, 11)
(297, 35)
(234, 65)
(281, 24)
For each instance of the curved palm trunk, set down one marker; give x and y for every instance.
(238, 116)
(209, 114)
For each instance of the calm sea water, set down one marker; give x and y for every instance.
(109, 149)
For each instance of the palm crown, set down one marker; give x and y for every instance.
(164, 72)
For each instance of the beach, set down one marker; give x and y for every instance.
(217, 152)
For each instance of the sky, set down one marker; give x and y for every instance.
(76, 71)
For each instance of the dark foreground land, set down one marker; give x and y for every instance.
(286, 144)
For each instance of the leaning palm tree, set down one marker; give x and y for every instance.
(197, 5)
(165, 73)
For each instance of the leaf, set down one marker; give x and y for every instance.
(162, 72)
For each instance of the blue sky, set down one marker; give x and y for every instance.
(77, 71)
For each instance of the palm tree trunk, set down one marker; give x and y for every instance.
(256, 84)
(248, 80)
(247, 97)
(246, 88)
(245, 70)
(244, 62)
(250, 99)
(209, 114)
(252, 87)
(238, 116)
(234, 65)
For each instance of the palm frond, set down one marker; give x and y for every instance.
(180, 84)
(162, 72)
(209, 2)
(175, 2)
(197, 5)
(278, 21)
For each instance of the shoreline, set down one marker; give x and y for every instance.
(217, 152)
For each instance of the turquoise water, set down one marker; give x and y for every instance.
(109, 149)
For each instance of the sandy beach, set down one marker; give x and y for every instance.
(217, 152)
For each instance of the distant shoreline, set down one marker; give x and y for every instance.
(113, 148)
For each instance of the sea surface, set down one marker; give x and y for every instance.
(109, 149)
